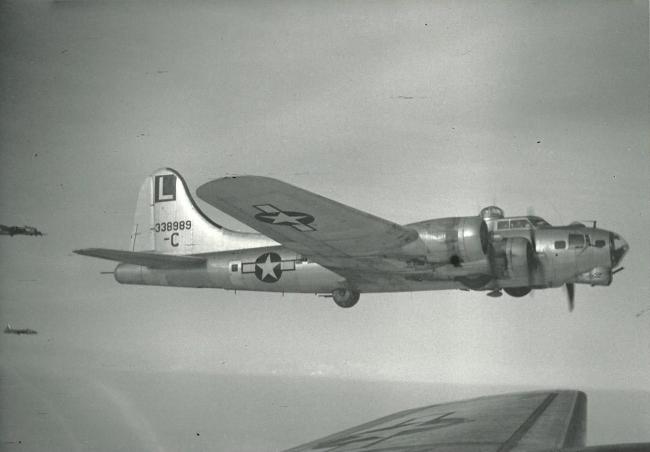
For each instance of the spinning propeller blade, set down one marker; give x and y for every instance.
(571, 292)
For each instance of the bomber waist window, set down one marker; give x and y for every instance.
(576, 240)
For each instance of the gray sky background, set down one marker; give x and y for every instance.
(408, 111)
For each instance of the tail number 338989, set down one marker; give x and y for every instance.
(172, 226)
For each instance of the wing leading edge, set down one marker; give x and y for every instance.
(510, 422)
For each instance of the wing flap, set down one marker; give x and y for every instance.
(303, 221)
(152, 260)
(510, 422)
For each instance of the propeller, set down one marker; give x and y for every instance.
(536, 265)
(571, 292)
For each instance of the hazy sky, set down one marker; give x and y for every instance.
(410, 111)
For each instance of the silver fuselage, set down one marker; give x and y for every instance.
(274, 268)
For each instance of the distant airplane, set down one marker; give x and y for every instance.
(311, 244)
(10, 330)
(529, 421)
(19, 230)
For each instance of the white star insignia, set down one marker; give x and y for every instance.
(268, 268)
(282, 217)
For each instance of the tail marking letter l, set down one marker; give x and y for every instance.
(165, 188)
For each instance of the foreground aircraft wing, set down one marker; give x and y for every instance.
(328, 232)
(531, 421)
(153, 260)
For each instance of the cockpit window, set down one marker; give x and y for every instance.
(503, 224)
(537, 221)
(600, 243)
(492, 212)
(560, 245)
(519, 224)
(576, 240)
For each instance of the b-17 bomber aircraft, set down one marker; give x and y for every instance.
(310, 244)
(11, 330)
(19, 230)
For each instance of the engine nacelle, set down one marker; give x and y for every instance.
(598, 276)
(455, 240)
(513, 258)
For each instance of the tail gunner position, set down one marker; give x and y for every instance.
(310, 244)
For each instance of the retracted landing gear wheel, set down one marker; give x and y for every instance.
(345, 298)
(518, 291)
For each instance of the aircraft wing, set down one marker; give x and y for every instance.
(529, 421)
(153, 260)
(328, 232)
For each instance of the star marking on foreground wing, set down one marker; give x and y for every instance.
(385, 433)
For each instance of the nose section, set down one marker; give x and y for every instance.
(618, 248)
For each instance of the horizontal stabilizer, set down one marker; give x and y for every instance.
(152, 260)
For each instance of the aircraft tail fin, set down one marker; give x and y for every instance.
(168, 221)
